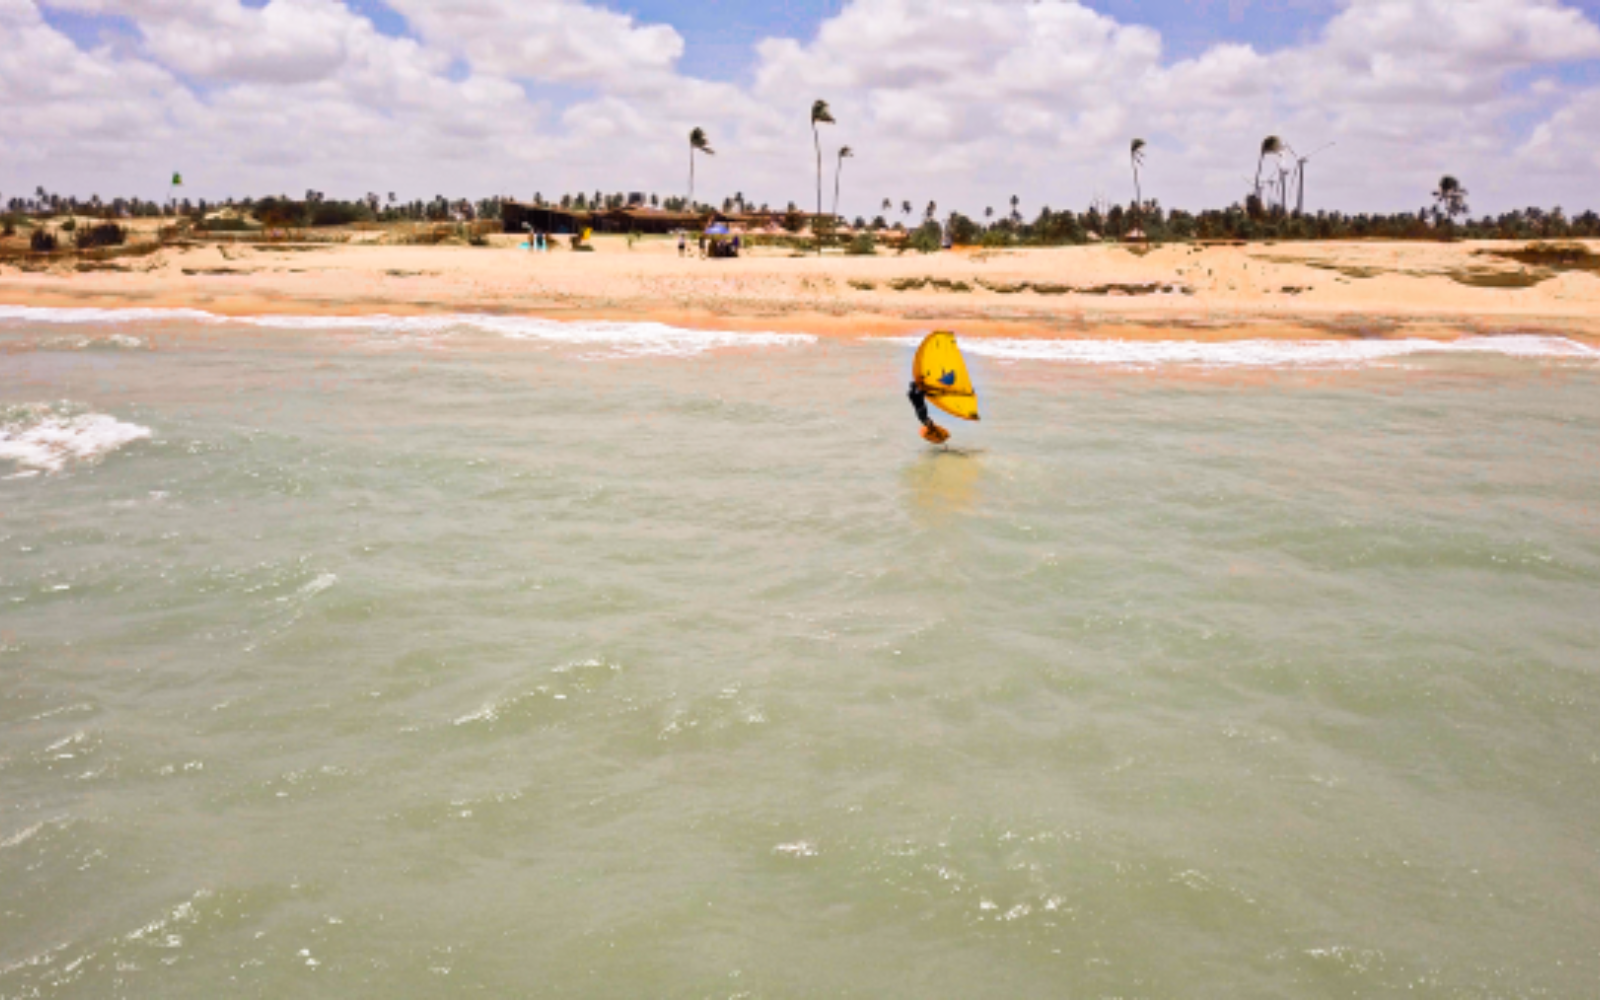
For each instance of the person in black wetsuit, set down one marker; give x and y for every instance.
(919, 402)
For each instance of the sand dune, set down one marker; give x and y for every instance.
(1261, 290)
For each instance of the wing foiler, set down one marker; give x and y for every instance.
(942, 373)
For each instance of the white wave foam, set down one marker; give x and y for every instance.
(116, 341)
(45, 438)
(1264, 353)
(618, 340)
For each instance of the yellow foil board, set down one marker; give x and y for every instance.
(942, 373)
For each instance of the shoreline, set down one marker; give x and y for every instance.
(1338, 292)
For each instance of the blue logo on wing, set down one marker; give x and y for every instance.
(947, 379)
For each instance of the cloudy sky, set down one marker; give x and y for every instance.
(966, 102)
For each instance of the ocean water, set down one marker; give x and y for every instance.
(480, 657)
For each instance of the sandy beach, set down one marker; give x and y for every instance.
(1176, 291)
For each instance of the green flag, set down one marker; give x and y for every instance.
(177, 180)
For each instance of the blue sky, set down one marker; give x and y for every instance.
(720, 35)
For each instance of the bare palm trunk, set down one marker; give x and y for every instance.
(817, 139)
(837, 172)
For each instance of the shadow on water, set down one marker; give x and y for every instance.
(945, 481)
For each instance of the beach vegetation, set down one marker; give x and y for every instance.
(1270, 146)
(104, 234)
(820, 115)
(845, 153)
(862, 244)
(698, 143)
(1450, 200)
(962, 230)
(43, 241)
(928, 238)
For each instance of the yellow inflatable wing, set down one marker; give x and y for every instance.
(942, 373)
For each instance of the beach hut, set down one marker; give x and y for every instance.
(643, 219)
(520, 217)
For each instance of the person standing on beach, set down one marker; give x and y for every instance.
(683, 242)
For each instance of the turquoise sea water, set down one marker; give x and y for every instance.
(453, 660)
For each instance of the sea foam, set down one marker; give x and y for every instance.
(41, 437)
(1264, 353)
(609, 339)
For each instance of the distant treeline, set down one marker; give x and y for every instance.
(1247, 221)
(315, 209)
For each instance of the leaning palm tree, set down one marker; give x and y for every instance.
(905, 208)
(820, 115)
(1136, 154)
(1270, 146)
(844, 154)
(698, 143)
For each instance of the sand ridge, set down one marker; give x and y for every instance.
(1175, 291)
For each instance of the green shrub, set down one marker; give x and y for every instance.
(928, 238)
(8, 226)
(43, 241)
(340, 213)
(106, 234)
(863, 245)
(70, 226)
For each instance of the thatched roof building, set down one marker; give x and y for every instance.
(520, 217)
(643, 219)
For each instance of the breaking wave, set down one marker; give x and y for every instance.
(610, 339)
(1266, 353)
(44, 437)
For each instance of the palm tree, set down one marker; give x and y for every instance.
(1136, 154)
(1016, 216)
(844, 154)
(1270, 146)
(988, 213)
(932, 210)
(1451, 197)
(905, 208)
(698, 143)
(819, 115)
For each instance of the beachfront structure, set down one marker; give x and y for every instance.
(643, 219)
(522, 217)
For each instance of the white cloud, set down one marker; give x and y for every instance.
(559, 40)
(966, 103)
